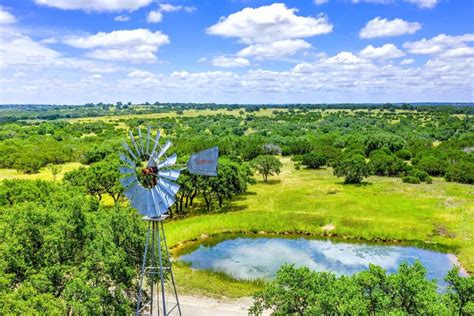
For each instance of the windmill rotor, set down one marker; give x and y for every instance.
(149, 173)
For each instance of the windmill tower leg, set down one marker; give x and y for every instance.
(159, 264)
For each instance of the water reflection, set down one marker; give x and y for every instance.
(250, 258)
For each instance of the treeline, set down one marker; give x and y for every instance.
(12, 112)
(300, 291)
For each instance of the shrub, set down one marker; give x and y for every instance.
(462, 172)
(403, 154)
(313, 160)
(411, 179)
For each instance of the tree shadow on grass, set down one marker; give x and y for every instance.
(269, 182)
(362, 184)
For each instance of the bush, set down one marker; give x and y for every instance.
(411, 179)
(403, 154)
(434, 166)
(462, 172)
(313, 160)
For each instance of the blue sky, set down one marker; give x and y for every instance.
(249, 51)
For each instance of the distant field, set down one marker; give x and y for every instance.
(382, 208)
(205, 112)
(44, 174)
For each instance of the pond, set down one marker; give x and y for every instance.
(251, 258)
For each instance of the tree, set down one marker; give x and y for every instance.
(352, 168)
(313, 160)
(460, 292)
(55, 170)
(300, 291)
(267, 165)
(462, 172)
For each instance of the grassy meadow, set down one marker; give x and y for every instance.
(314, 202)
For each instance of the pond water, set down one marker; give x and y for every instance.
(251, 258)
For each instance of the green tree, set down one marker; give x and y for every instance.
(313, 160)
(352, 168)
(267, 165)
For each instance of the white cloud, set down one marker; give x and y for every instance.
(6, 17)
(320, 2)
(276, 49)
(154, 17)
(50, 40)
(166, 7)
(270, 23)
(438, 43)
(228, 61)
(95, 5)
(379, 27)
(420, 3)
(122, 18)
(459, 52)
(139, 45)
(424, 3)
(21, 49)
(407, 61)
(387, 51)
(140, 74)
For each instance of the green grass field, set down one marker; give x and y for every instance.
(437, 215)
(43, 174)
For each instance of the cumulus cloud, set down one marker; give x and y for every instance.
(275, 49)
(379, 27)
(407, 61)
(420, 3)
(424, 3)
(166, 7)
(270, 23)
(438, 43)
(122, 18)
(50, 40)
(95, 5)
(21, 49)
(272, 31)
(6, 17)
(229, 61)
(387, 51)
(154, 17)
(139, 45)
(320, 2)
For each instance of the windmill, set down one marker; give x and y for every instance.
(149, 175)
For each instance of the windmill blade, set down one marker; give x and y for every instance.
(160, 205)
(151, 161)
(124, 144)
(134, 143)
(204, 162)
(148, 140)
(126, 170)
(165, 147)
(166, 191)
(140, 139)
(167, 198)
(150, 205)
(126, 182)
(170, 174)
(171, 160)
(130, 191)
(156, 141)
(127, 161)
(172, 187)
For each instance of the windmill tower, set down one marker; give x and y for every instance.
(149, 185)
